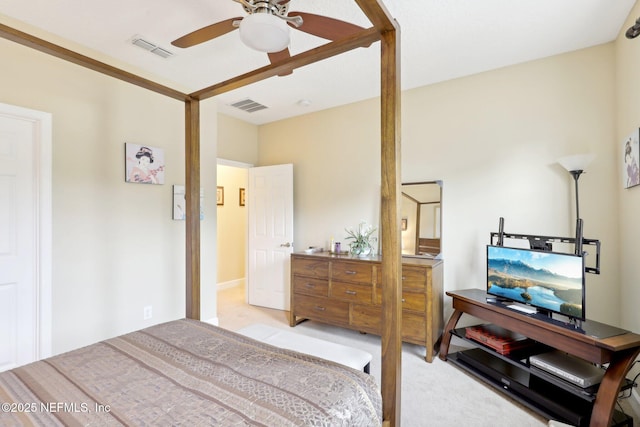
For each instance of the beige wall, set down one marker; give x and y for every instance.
(336, 169)
(115, 247)
(493, 139)
(237, 140)
(628, 114)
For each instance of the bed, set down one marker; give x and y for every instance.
(187, 372)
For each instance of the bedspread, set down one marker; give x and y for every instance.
(188, 373)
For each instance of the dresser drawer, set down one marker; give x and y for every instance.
(414, 328)
(369, 319)
(366, 318)
(310, 268)
(413, 301)
(310, 286)
(360, 272)
(322, 309)
(351, 292)
(414, 277)
(410, 300)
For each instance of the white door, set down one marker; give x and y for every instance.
(25, 227)
(270, 203)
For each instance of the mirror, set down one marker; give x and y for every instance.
(421, 212)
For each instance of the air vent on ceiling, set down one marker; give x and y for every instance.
(249, 105)
(151, 47)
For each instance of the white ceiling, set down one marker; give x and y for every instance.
(441, 40)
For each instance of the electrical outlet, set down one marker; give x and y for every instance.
(148, 312)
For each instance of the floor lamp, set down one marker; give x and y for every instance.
(576, 166)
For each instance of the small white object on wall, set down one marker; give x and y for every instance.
(180, 203)
(631, 153)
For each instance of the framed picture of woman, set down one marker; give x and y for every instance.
(143, 164)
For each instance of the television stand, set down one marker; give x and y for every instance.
(595, 342)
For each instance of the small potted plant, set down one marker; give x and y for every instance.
(361, 239)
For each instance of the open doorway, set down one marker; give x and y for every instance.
(234, 311)
(268, 271)
(232, 180)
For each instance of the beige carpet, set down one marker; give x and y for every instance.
(433, 394)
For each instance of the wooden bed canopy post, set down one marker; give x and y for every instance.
(391, 355)
(390, 229)
(192, 196)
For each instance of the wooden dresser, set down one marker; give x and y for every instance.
(347, 291)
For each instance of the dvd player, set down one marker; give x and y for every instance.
(569, 368)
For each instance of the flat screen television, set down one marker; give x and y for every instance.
(553, 282)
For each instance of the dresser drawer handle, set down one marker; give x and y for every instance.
(404, 300)
(348, 292)
(310, 285)
(319, 308)
(350, 272)
(404, 277)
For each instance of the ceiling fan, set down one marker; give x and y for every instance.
(266, 28)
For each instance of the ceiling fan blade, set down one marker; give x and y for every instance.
(325, 27)
(206, 33)
(279, 56)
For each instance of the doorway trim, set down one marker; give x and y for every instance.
(234, 163)
(43, 146)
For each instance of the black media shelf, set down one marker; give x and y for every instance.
(521, 394)
(550, 396)
(518, 357)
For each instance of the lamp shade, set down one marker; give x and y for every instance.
(577, 162)
(264, 32)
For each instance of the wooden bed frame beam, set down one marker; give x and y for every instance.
(386, 30)
(364, 38)
(378, 14)
(44, 46)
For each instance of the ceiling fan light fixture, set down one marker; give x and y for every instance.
(264, 32)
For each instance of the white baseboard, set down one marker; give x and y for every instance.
(214, 321)
(230, 284)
